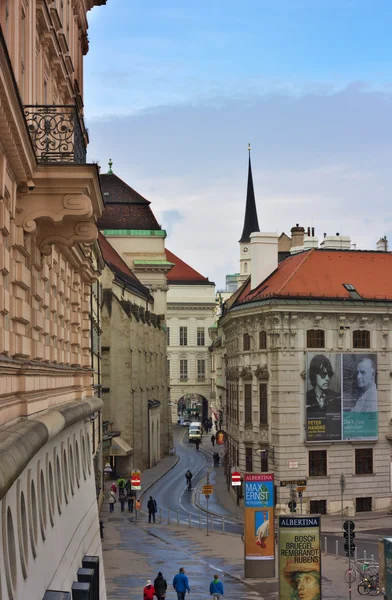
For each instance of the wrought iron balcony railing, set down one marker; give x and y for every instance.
(56, 133)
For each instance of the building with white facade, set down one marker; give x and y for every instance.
(190, 313)
(308, 351)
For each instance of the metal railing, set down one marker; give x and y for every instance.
(197, 520)
(56, 132)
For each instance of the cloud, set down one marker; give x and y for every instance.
(321, 158)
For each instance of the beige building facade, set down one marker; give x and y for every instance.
(276, 332)
(133, 368)
(50, 199)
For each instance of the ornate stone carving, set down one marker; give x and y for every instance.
(246, 373)
(67, 234)
(303, 374)
(54, 207)
(262, 373)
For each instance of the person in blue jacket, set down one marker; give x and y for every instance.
(181, 584)
(216, 588)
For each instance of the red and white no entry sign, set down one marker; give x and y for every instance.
(236, 478)
(135, 483)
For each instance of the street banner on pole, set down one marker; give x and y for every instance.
(299, 557)
(259, 523)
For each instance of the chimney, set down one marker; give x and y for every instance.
(264, 256)
(382, 244)
(311, 241)
(297, 239)
(336, 242)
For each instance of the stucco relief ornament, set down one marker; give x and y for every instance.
(246, 373)
(262, 372)
(305, 320)
(44, 206)
(66, 234)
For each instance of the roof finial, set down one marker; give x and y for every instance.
(110, 172)
(249, 146)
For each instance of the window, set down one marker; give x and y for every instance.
(183, 336)
(315, 338)
(263, 404)
(264, 461)
(168, 336)
(318, 507)
(317, 463)
(363, 504)
(249, 459)
(168, 369)
(361, 338)
(248, 403)
(363, 461)
(262, 340)
(246, 342)
(200, 336)
(183, 369)
(201, 369)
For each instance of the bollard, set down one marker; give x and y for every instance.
(364, 554)
(199, 521)
(356, 554)
(325, 546)
(189, 520)
(372, 557)
(212, 524)
(337, 549)
(168, 516)
(160, 514)
(178, 516)
(223, 525)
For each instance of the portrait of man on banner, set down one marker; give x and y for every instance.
(323, 396)
(360, 396)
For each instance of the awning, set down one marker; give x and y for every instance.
(120, 447)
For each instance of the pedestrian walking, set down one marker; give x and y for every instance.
(130, 498)
(122, 498)
(121, 485)
(160, 585)
(112, 500)
(149, 591)
(181, 584)
(197, 445)
(114, 488)
(101, 528)
(213, 440)
(152, 509)
(216, 588)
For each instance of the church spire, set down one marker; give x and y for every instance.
(251, 223)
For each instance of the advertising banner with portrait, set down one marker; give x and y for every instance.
(259, 517)
(323, 396)
(299, 558)
(341, 396)
(360, 410)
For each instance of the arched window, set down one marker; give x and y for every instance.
(262, 340)
(315, 338)
(246, 342)
(361, 338)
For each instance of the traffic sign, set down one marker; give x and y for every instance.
(236, 478)
(207, 490)
(301, 488)
(349, 526)
(349, 547)
(292, 505)
(135, 482)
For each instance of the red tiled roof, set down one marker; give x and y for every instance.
(118, 266)
(322, 273)
(183, 273)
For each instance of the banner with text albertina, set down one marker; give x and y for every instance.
(259, 516)
(299, 558)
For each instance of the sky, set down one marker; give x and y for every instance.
(174, 91)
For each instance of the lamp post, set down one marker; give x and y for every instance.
(342, 488)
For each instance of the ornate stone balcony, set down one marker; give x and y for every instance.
(57, 133)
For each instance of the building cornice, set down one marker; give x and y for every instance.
(21, 442)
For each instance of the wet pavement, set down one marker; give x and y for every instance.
(135, 551)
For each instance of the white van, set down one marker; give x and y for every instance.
(195, 431)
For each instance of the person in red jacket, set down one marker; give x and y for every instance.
(149, 591)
